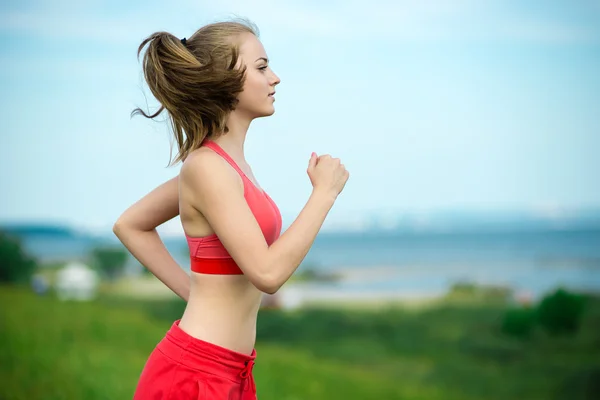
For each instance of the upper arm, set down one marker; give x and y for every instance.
(217, 195)
(155, 208)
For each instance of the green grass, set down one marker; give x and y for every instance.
(55, 350)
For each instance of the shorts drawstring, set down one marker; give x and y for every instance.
(246, 375)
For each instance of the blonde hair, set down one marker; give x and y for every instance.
(195, 80)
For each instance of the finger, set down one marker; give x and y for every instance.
(313, 161)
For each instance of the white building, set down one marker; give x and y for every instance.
(76, 281)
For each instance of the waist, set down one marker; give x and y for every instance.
(224, 325)
(205, 356)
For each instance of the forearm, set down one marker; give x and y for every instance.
(148, 248)
(287, 253)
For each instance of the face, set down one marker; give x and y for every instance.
(257, 98)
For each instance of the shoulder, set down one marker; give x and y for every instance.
(203, 167)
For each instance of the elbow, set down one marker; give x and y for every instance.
(118, 228)
(268, 284)
(124, 228)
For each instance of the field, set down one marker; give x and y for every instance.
(453, 350)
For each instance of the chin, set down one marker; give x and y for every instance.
(266, 113)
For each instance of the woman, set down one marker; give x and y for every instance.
(213, 85)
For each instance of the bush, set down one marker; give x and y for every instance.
(110, 261)
(561, 312)
(15, 265)
(463, 288)
(518, 322)
(472, 291)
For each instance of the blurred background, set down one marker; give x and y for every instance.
(462, 260)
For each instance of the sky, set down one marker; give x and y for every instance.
(432, 106)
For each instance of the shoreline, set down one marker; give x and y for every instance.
(367, 288)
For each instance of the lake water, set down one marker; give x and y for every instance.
(392, 263)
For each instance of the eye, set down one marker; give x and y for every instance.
(263, 68)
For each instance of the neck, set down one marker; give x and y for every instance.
(234, 140)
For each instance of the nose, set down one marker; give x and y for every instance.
(275, 79)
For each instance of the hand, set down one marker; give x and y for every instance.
(327, 174)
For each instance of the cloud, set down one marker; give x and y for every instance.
(87, 22)
(73, 26)
(75, 69)
(339, 19)
(412, 21)
(544, 31)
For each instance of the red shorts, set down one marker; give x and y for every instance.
(182, 367)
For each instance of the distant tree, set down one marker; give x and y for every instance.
(145, 271)
(519, 322)
(16, 266)
(561, 312)
(110, 261)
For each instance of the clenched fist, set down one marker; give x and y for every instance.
(327, 174)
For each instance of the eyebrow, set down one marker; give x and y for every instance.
(262, 58)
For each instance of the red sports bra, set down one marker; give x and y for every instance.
(207, 254)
